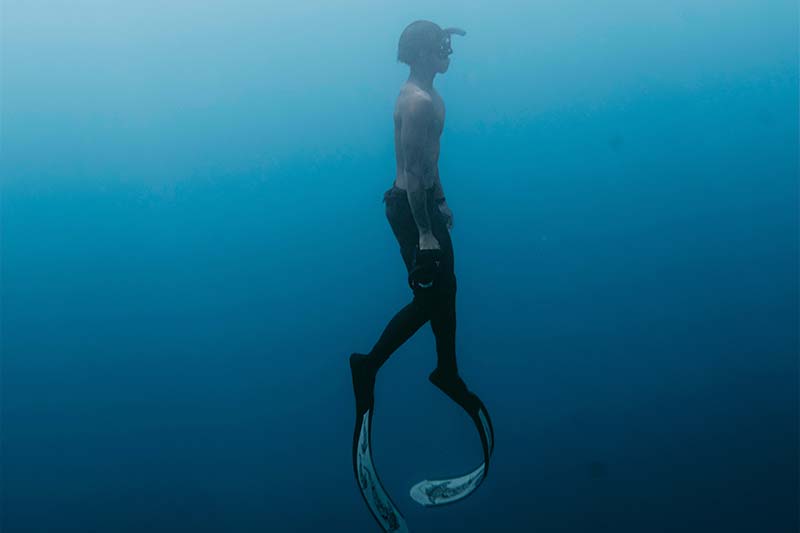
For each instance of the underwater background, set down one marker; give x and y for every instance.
(193, 242)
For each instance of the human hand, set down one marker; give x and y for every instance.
(427, 241)
(448, 214)
(425, 268)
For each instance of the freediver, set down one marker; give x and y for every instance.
(421, 220)
(419, 216)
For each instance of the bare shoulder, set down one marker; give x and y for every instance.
(415, 103)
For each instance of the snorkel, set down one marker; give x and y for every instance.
(445, 49)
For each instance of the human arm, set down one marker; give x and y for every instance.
(418, 165)
(441, 202)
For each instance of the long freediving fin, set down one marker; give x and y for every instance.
(375, 496)
(431, 493)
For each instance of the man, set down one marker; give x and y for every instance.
(418, 213)
(420, 220)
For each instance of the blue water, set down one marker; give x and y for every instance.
(193, 242)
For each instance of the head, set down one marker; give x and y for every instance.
(425, 45)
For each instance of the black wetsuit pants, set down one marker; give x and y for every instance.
(436, 304)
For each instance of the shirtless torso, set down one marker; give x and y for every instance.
(418, 123)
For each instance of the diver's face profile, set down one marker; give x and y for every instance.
(433, 62)
(439, 57)
(442, 64)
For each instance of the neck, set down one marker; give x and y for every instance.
(422, 77)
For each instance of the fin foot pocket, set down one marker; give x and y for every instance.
(363, 382)
(454, 387)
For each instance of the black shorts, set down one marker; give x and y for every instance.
(404, 227)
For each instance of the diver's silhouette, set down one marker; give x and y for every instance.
(420, 220)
